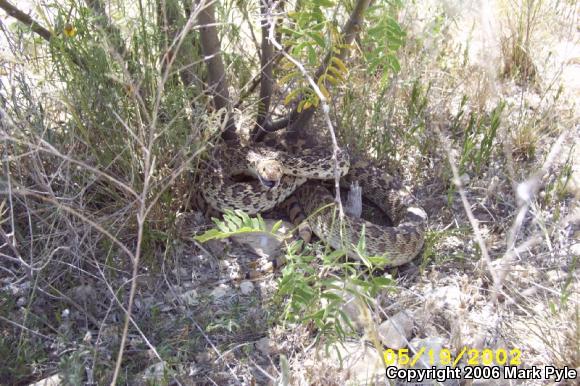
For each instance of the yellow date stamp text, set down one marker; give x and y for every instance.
(445, 357)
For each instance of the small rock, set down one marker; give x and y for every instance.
(265, 346)
(191, 298)
(110, 335)
(146, 281)
(203, 357)
(557, 275)
(432, 348)
(216, 247)
(54, 380)
(88, 338)
(396, 331)
(532, 101)
(357, 311)
(153, 373)
(19, 289)
(187, 284)
(166, 308)
(220, 291)
(358, 363)
(246, 287)
(84, 294)
(540, 308)
(14, 290)
(134, 341)
(264, 245)
(181, 272)
(449, 296)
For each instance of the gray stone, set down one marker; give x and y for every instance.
(246, 287)
(396, 331)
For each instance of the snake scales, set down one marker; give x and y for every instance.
(280, 174)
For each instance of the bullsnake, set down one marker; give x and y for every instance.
(280, 174)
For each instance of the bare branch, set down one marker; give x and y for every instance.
(26, 20)
(526, 191)
(257, 79)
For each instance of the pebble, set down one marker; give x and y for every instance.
(358, 363)
(432, 348)
(396, 331)
(264, 346)
(449, 296)
(191, 297)
(153, 373)
(246, 287)
(220, 291)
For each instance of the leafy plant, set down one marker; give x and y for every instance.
(384, 38)
(321, 301)
(478, 137)
(72, 368)
(334, 74)
(310, 30)
(311, 299)
(19, 350)
(236, 222)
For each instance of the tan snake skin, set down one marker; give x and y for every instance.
(280, 174)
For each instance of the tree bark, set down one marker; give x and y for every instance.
(211, 48)
(26, 20)
(113, 33)
(173, 21)
(266, 69)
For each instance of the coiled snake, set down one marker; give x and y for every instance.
(281, 174)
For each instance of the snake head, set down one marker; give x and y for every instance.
(269, 172)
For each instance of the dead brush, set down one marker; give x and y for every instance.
(88, 189)
(522, 18)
